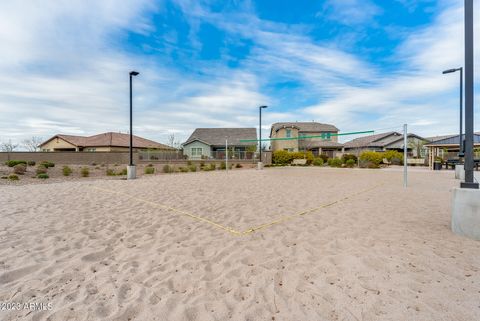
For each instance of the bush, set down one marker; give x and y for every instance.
(350, 163)
(93, 164)
(168, 169)
(335, 162)
(41, 169)
(149, 170)
(31, 163)
(110, 172)
(370, 159)
(324, 157)
(202, 163)
(281, 157)
(212, 167)
(85, 172)
(19, 169)
(42, 176)
(189, 163)
(347, 157)
(66, 171)
(12, 163)
(393, 156)
(192, 168)
(47, 164)
(238, 166)
(318, 162)
(183, 169)
(13, 177)
(222, 166)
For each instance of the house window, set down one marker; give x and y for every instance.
(197, 151)
(90, 149)
(289, 133)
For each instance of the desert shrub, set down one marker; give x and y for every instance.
(318, 162)
(168, 169)
(238, 166)
(212, 167)
(192, 168)
(202, 163)
(335, 162)
(85, 172)
(47, 164)
(4, 177)
(183, 169)
(189, 163)
(31, 163)
(222, 166)
(19, 169)
(324, 157)
(12, 163)
(149, 170)
(66, 171)
(350, 163)
(281, 157)
(41, 169)
(13, 177)
(347, 157)
(370, 159)
(93, 164)
(42, 176)
(393, 156)
(123, 172)
(110, 172)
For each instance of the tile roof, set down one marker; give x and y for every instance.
(377, 140)
(217, 136)
(305, 126)
(110, 139)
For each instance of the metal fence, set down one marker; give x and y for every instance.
(234, 155)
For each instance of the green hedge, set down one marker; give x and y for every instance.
(282, 157)
(335, 162)
(15, 162)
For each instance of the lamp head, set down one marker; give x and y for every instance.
(263, 106)
(448, 71)
(134, 73)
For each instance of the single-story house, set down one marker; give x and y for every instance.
(205, 143)
(448, 147)
(326, 143)
(388, 141)
(105, 142)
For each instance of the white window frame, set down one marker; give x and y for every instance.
(196, 151)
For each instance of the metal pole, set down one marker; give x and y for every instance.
(460, 152)
(260, 133)
(405, 155)
(469, 93)
(131, 134)
(226, 154)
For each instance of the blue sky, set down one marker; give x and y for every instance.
(358, 64)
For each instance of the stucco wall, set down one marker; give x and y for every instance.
(187, 149)
(56, 143)
(71, 157)
(285, 144)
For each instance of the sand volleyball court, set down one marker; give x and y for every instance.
(279, 244)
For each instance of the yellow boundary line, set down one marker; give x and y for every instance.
(229, 229)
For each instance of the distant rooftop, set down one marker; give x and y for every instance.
(217, 136)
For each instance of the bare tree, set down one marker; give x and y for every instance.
(8, 146)
(32, 144)
(173, 141)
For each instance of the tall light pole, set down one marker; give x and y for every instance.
(469, 93)
(131, 172)
(260, 132)
(460, 151)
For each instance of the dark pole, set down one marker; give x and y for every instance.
(260, 133)
(260, 130)
(460, 152)
(469, 92)
(132, 73)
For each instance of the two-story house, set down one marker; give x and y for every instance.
(298, 134)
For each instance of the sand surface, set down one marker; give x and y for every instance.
(279, 244)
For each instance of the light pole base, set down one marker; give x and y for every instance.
(131, 172)
(466, 212)
(459, 170)
(260, 165)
